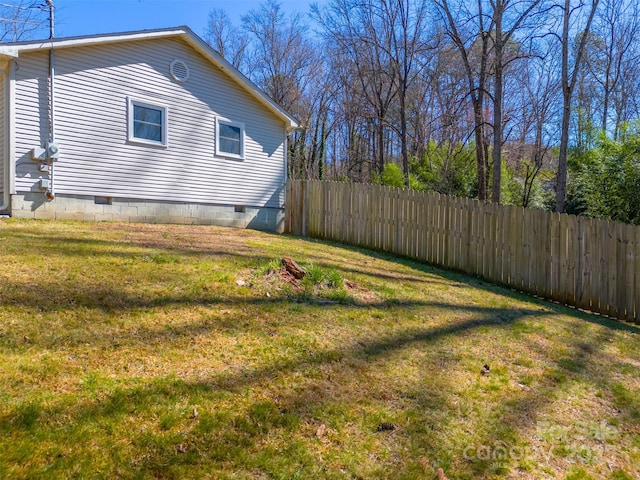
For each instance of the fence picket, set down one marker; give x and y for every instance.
(572, 258)
(596, 268)
(412, 241)
(546, 233)
(526, 235)
(611, 267)
(554, 246)
(583, 265)
(428, 237)
(503, 246)
(629, 237)
(511, 242)
(604, 267)
(424, 226)
(533, 243)
(470, 252)
(621, 270)
(541, 253)
(485, 232)
(482, 239)
(435, 228)
(452, 235)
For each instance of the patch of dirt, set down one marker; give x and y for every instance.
(282, 279)
(360, 293)
(199, 239)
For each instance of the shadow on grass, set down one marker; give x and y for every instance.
(246, 431)
(464, 279)
(80, 299)
(242, 439)
(72, 246)
(522, 420)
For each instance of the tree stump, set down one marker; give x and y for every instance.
(293, 268)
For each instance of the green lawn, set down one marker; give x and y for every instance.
(153, 351)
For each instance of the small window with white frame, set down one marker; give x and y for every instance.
(147, 123)
(229, 138)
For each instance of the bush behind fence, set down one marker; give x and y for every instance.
(588, 263)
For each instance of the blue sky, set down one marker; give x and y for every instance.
(86, 17)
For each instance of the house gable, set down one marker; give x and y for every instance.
(14, 50)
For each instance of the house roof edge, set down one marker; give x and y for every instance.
(13, 50)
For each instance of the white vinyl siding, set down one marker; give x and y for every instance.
(92, 88)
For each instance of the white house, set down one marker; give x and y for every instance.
(148, 126)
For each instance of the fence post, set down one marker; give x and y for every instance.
(287, 206)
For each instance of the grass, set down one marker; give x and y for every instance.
(150, 351)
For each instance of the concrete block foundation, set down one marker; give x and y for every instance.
(98, 209)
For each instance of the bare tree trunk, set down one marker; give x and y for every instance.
(481, 163)
(568, 84)
(403, 141)
(605, 100)
(501, 39)
(380, 164)
(322, 149)
(562, 155)
(476, 91)
(497, 102)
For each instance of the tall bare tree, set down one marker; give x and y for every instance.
(406, 21)
(226, 38)
(281, 55)
(473, 46)
(283, 60)
(626, 98)
(507, 17)
(536, 86)
(569, 74)
(356, 30)
(611, 50)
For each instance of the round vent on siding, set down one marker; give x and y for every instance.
(179, 71)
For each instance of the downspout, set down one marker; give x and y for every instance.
(6, 193)
(50, 193)
(286, 157)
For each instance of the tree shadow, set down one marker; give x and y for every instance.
(293, 408)
(522, 433)
(303, 387)
(459, 278)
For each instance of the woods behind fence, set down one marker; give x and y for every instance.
(580, 261)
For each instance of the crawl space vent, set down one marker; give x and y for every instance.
(179, 71)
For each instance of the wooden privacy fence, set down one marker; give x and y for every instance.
(588, 263)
